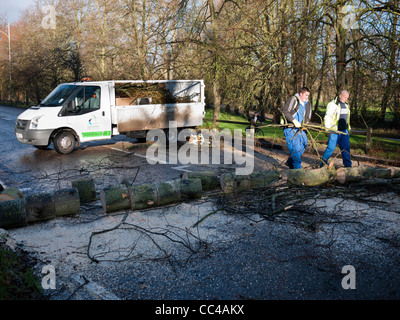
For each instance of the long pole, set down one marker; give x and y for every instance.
(9, 56)
(9, 59)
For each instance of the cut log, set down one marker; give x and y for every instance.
(357, 174)
(86, 189)
(143, 196)
(209, 179)
(263, 179)
(231, 182)
(395, 172)
(66, 202)
(40, 207)
(11, 194)
(168, 192)
(115, 198)
(191, 188)
(12, 214)
(310, 178)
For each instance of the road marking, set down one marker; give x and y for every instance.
(181, 168)
(120, 150)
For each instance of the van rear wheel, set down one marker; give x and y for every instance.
(64, 142)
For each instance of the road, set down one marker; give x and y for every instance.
(164, 253)
(109, 162)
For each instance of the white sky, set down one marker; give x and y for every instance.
(11, 10)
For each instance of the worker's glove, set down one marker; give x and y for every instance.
(296, 123)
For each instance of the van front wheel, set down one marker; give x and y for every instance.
(64, 142)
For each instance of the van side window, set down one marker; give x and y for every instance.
(86, 99)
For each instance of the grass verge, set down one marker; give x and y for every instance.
(17, 279)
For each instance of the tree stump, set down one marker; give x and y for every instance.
(209, 179)
(86, 189)
(12, 214)
(310, 178)
(66, 202)
(357, 174)
(40, 207)
(115, 198)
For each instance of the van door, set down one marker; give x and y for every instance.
(88, 113)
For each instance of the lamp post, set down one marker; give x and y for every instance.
(9, 55)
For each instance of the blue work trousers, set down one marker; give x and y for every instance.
(344, 145)
(296, 141)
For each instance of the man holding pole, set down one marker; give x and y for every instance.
(297, 110)
(337, 118)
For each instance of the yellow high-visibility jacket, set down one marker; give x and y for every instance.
(332, 115)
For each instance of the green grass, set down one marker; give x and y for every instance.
(17, 280)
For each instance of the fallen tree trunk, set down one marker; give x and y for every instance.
(357, 174)
(86, 189)
(11, 194)
(40, 207)
(191, 188)
(168, 192)
(12, 214)
(115, 198)
(231, 182)
(66, 202)
(310, 178)
(209, 179)
(143, 196)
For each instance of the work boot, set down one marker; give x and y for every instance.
(289, 163)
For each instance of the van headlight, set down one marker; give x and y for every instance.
(35, 122)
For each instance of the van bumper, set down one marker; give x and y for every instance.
(32, 136)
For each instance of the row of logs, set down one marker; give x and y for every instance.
(18, 210)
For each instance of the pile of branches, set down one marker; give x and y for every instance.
(302, 206)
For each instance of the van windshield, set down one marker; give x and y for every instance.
(59, 95)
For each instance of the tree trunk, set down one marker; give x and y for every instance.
(209, 179)
(12, 214)
(143, 196)
(40, 207)
(231, 182)
(357, 174)
(310, 178)
(191, 188)
(66, 202)
(341, 48)
(115, 198)
(86, 189)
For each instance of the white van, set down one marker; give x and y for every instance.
(79, 112)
